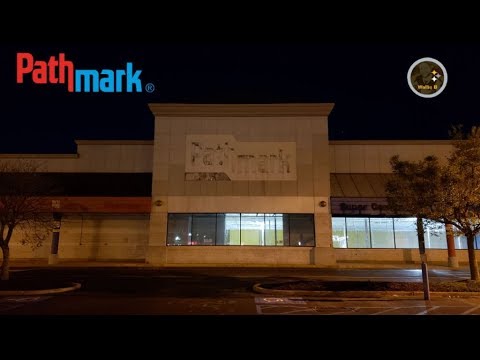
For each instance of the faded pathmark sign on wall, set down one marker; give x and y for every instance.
(222, 157)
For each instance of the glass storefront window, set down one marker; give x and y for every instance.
(241, 229)
(461, 242)
(179, 229)
(284, 223)
(302, 230)
(270, 230)
(382, 233)
(252, 229)
(339, 232)
(406, 233)
(203, 229)
(358, 233)
(232, 229)
(390, 233)
(435, 237)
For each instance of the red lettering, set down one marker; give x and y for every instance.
(24, 65)
(52, 64)
(39, 74)
(44, 72)
(68, 65)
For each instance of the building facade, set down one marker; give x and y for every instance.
(234, 185)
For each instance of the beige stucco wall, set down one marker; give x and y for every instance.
(373, 156)
(309, 132)
(106, 237)
(397, 255)
(95, 156)
(238, 255)
(144, 237)
(95, 237)
(170, 145)
(363, 157)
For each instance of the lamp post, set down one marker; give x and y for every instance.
(423, 258)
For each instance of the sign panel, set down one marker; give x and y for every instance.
(360, 206)
(221, 157)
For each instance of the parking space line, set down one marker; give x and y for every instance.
(385, 311)
(300, 310)
(470, 310)
(427, 310)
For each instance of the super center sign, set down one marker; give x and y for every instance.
(360, 206)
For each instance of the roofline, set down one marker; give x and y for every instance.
(38, 156)
(114, 142)
(390, 142)
(258, 110)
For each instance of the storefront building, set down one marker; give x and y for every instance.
(241, 184)
(234, 185)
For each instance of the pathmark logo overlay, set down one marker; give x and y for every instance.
(59, 70)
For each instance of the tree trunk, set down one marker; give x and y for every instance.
(472, 258)
(452, 253)
(5, 271)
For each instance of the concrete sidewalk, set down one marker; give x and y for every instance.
(64, 263)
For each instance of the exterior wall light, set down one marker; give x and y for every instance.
(158, 203)
(322, 203)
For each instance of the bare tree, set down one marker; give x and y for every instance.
(22, 207)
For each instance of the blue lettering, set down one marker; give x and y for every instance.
(89, 76)
(118, 80)
(133, 80)
(110, 81)
(107, 83)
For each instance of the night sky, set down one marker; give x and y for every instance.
(367, 82)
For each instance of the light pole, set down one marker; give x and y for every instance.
(423, 258)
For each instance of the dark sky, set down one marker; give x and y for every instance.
(367, 82)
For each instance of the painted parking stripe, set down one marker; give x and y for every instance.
(280, 301)
(387, 310)
(427, 310)
(471, 310)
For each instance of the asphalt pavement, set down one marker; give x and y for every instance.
(220, 291)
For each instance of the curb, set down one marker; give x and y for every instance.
(74, 286)
(389, 295)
